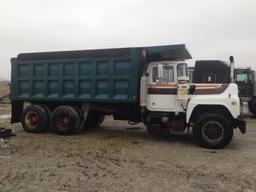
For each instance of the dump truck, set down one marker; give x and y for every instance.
(216, 71)
(73, 90)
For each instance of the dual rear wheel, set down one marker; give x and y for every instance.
(35, 119)
(64, 120)
(67, 120)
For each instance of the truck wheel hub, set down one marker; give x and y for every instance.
(31, 119)
(213, 131)
(63, 121)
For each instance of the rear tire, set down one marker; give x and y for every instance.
(66, 120)
(81, 115)
(213, 131)
(34, 119)
(49, 114)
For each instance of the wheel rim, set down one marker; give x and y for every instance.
(213, 132)
(63, 121)
(31, 120)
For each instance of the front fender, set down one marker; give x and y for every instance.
(232, 104)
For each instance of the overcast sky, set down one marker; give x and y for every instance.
(211, 29)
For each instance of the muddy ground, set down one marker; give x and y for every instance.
(119, 157)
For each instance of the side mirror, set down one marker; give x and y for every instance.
(231, 59)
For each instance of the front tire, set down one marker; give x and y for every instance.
(213, 131)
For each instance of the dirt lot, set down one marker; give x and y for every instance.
(115, 157)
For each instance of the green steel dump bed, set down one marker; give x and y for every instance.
(106, 75)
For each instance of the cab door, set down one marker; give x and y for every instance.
(162, 91)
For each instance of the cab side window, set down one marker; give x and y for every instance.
(168, 74)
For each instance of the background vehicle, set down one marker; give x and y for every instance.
(214, 71)
(246, 81)
(75, 89)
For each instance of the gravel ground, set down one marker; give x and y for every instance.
(119, 157)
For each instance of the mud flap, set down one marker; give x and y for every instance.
(242, 126)
(17, 108)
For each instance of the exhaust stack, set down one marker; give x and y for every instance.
(231, 59)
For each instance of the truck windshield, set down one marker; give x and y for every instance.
(182, 69)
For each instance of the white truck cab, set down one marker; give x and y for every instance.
(172, 104)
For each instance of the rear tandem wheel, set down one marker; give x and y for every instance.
(34, 119)
(67, 120)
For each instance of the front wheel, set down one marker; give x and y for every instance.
(213, 131)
